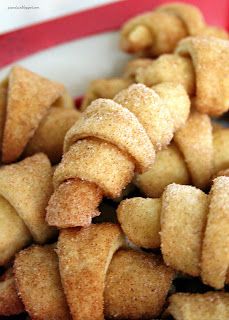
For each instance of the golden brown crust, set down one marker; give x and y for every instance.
(215, 252)
(140, 220)
(29, 98)
(25, 188)
(206, 52)
(39, 284)
(86, 253)
(207, 306)
(10, 304)
(194, 140)
(136, 285)
(49, 136)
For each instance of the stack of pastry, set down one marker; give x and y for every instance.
(152, 128)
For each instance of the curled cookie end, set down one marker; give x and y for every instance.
(137, 284)
(36, 272)
(208, 51)
(139, 38)
(74, 204)
(140, 221)
(86, 253)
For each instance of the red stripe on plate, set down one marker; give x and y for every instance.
(23, 42)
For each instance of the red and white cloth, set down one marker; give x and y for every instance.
(80, 43)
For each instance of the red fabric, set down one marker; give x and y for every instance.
(20, 43)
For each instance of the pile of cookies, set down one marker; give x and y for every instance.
(105, 210)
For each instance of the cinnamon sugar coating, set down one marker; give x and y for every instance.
(117, 136)
(74, 203)
(39, 284)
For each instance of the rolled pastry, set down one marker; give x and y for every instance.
(191, 226)
(25, 188)
(157, 32)
(93, 280)
(117, 137)
(199, 151)
(199, 64)
(31, 115)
